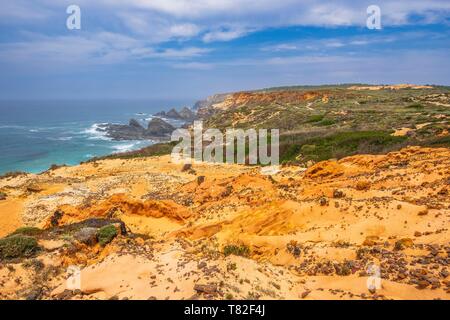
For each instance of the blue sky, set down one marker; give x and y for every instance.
(189, 49)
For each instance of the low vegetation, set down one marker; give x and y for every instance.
(106, 234)
(17, 246)
(237, 250)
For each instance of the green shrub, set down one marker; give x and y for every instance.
(27, 231)
(347, 143)
(241, 250)
(326, 122)
(308, 148)
(17, 246)
(106, 234)
(315, 118)
(415, 106)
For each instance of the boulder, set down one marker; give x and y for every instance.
(187, 114)
(205, 288)
(135, 124)
(87, 236)
(173, 114)
(158, 127)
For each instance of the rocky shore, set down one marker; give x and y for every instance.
(157, 129)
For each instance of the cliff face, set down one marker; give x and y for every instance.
(216, 231)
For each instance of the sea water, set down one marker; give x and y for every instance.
(36, 134)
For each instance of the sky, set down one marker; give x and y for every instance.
(190, 49)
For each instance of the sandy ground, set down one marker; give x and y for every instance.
(309, 233)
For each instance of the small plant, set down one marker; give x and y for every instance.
(228, 296)
(27, 231)
(316, 118)
(106, 234)
(231, 266)
(241, 250)
(17, 246)
(415, 106)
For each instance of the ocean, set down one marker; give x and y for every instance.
(36, 134)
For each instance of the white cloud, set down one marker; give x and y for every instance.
(225, 34)
(98, 48)
(193, 66)
(162, 20)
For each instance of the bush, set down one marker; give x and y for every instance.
(415, 106)
(241, 250)
(326, 122)
(315, 118)
(343, 144)
(17, 246)
(27, 231)
(106, 234)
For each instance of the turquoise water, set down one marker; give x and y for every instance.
(36, 134)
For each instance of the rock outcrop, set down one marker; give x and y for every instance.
(157, 129)
(184, 114)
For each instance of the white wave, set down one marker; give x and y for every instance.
(125, 147)
(61, 139)
(12, 127)
(131, 146)
(95, 133)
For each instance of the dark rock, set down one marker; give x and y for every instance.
(87, 236)
(33, 187)
(206, 288)
(186, 167)
(132, 131)
(65, 295)
(34, 294)
(422, 284)
(305, 294)
(135, 124)
(323, 201)
(403, 244)
(200, 180)
(54, 220)
(173, 114)
(337, 194)
(2, 196)
(187, 114)
(158, 127)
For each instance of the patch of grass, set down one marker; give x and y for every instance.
(415, 106)
(106, 234)
(27, 231)
(439, 142)
(237, 250)
(228, 296)
(326, 122)
(158, 149)
(17, 246)
(340, 145)
(315, 118)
